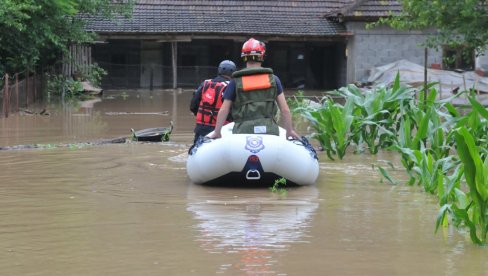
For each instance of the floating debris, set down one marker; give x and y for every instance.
(164, 113)
(156, 134)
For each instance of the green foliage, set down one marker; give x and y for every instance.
(443, 150)
(475, 214)
(276, 188)
(37, 31)
(458, 22)
(332, 123)
(92, 74)
(58, 84)
(297, 101)
(368, 116)
(71, 88)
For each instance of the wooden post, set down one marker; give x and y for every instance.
(477, 87)
(425, 73)
(440, 90)
(89, 55)
(151, 78)
(5, 97)
(17, 90)
(26, 86)
(41, 81)
(174, 52)
(34, 83)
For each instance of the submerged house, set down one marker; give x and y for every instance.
(314, 44)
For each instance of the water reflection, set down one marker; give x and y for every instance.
(253, 226)
(93, 119)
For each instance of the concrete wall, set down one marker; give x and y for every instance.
(482, 62)
(369, 48)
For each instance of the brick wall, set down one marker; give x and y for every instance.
(382, 45)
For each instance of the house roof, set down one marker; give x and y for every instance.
(371, 9)
(232, 17)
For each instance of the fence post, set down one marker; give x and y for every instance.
(5, 97)
(17, 90)
(34, 83)
(151, 79)
(26, 87)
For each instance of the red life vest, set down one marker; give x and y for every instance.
(210, 102)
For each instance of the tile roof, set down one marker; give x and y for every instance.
(372, 9)
(234, 17)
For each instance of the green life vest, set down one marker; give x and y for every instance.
(254, 108)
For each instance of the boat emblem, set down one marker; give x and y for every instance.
(254, 144)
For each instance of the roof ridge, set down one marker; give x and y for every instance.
(352, 7)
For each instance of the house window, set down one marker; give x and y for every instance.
(459, 58)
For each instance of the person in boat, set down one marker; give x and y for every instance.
(253, 96)
(207, 99)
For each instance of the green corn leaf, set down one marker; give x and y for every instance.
(462, 200)
(463, 215)
(396, 83)
(442, 216)
(387, 176)
(473, 164)
(431, 97)
(478, 107)
(422, 130)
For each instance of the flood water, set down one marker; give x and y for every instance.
(130, 209)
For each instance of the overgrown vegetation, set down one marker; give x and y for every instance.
(38, 32)
(71, 88)
(442, 149)
(458, 23)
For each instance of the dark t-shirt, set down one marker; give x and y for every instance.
(230, 90)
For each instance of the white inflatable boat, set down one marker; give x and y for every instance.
(251, 159)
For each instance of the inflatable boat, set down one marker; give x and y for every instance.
(251, 159)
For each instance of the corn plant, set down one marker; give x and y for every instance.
(441, 148)
(377, 112)
(471, 208)
(332, 123)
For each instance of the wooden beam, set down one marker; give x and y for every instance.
(174, 57)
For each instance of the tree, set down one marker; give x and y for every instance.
(459, 23)
(38, 31)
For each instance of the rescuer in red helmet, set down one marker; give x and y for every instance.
(254, 95)
(207, 99)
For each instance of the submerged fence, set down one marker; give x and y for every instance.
(20, 90)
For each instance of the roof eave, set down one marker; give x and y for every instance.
(185, 37)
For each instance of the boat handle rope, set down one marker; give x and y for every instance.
(304, 142)
(198, 143)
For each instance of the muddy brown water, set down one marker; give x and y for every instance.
(130, 209)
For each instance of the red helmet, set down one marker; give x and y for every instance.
(253, 50)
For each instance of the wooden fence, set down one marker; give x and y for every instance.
(77, 61)
(20, 91)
